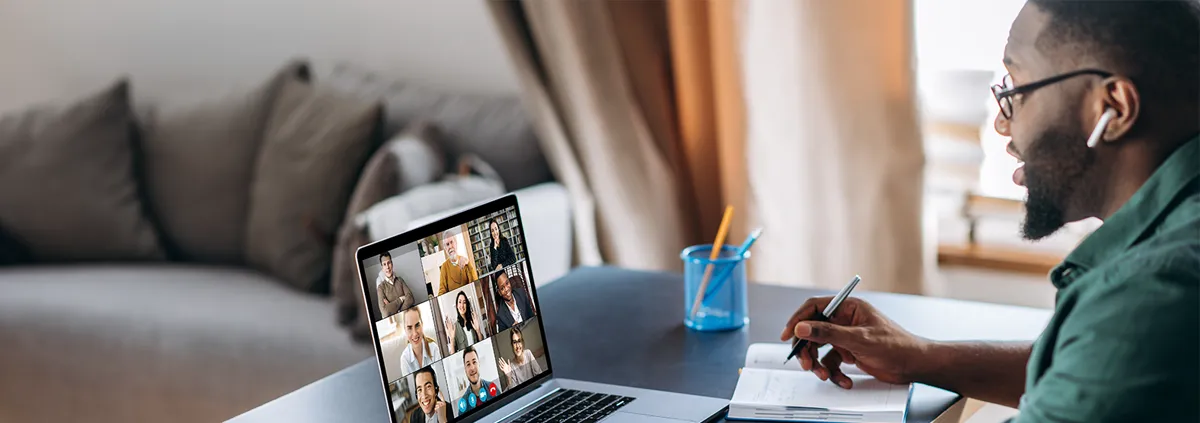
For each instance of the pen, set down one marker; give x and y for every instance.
(828, 313)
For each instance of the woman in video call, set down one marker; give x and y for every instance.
(465, 328)
(499, 249)
(523, 367)
(431, 408)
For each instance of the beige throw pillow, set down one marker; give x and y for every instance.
(316, 143)
(67, 186)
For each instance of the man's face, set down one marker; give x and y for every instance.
(504, 287)
(426, 392)
(1047, 130)
(412, 326)
(386, 262)
(450, 246)
(471, 361)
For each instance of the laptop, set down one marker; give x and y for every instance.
(459, 336)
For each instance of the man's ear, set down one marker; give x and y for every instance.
(1120, 94)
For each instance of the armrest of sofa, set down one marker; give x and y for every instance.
(546, 213)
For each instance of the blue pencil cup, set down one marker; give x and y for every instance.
(723, 306)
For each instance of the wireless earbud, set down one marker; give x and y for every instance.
(1108, 115)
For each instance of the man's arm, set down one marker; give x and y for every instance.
(989, 371)
(406, 294)
(1127, 352)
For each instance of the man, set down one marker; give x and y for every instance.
(477, 390)
(1123, 343)
(514, 307)
(421, 351)
(394, 294)
(431, 408)
(456, 271)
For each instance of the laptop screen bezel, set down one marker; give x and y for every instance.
(375, 248)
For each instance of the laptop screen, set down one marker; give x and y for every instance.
(455, 314)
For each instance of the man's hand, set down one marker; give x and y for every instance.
(439, 409)
(860, 335)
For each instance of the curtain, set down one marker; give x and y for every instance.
(833, 136)
(598, 106)
(799, 113)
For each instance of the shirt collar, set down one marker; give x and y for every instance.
(1138, 217)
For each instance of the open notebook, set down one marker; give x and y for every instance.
(769, 390)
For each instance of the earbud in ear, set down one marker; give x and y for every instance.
(1108, 115)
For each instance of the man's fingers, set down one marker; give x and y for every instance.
(833, 364)
(805, 312)
(847, 356)
(829, 333)
(811, 352)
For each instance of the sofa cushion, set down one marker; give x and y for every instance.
(108, 343)
(317, 141)
(496, 128)
(200, 158)
(67, 186)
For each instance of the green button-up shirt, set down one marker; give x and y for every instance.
(1124, 342)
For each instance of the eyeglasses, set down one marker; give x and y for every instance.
(1004, 91)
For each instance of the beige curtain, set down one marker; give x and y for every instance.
(598, 107)
(800, 113)
(833, 141)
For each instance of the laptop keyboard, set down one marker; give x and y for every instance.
(574, 406)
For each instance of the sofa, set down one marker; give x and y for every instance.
(201, 334)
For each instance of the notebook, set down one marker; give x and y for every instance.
(769, 390)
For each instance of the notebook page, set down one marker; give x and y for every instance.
(766, 387)
(770, 355)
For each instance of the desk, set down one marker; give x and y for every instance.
(626, 327)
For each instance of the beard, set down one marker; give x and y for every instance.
(1055, 166)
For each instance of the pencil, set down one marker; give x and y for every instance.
(716, 252)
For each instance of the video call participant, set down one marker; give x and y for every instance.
(523, 367)
(394, 294)
(464, 329)
(431, 407)
(477, 390)
(429, 351)
(456, 271)
(514, 306)
(499, 250)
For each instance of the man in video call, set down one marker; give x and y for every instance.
(431, 408)
(456, 271)
(428, 350)
(394, 294)
(1123, 342)
(514, 306)
(481, 390)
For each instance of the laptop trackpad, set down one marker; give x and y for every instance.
(627, 417)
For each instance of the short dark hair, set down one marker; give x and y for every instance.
(432, 375)
(469, 350)
(385, 254)
(1154, 43)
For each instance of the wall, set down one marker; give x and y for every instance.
(55, 49)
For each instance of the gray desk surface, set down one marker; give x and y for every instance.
(625, 327)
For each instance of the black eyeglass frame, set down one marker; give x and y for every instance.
(1004, 93)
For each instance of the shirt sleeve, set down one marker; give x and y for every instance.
(1127, 352)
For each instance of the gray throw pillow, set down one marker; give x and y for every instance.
(200, 159)
(67, 186)
(316, 143)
